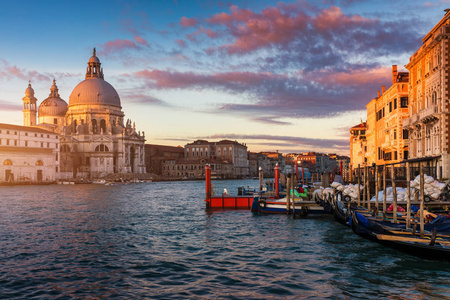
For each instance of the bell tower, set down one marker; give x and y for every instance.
(29, 107)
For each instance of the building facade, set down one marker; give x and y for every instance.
(429, 94)
(28, 155)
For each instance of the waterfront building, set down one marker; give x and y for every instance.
(382, 139)
(28, 154)
(95, 142)
(225, 150)
(184, 168)
(429, 108)
(156, 154)
(358, 146)
(391, 109)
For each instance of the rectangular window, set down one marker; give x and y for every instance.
(404, 102)
(56, 156)
(42, 144)
(35, 135)
(42, 135)
(55, 121)
(395, 103)
(15, 142)
(405, 134)
(48, 145)
(26, 133)
(395, 134)
(48, 136)
(395, 155)
(15, 132)
(7, 142)
(390, 106)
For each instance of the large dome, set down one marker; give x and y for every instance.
(94, 91)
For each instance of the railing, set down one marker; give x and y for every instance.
(428, 111)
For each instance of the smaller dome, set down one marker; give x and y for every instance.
(94, 59)
(29, 92)
(53, 107)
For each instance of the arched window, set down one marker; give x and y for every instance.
(39, 163)
(101, 148)
(7, 162)
(65, 148)
(94, 126)
(103, 125)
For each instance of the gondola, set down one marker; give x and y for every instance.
(431, 247)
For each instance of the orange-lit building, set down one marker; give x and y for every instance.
(429, 88)
(358, 145)
(381, 139)
(391, 108)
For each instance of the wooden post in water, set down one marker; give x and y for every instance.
(293, 185)
(208, 183)
(408, 197)
(422, 199)
(261, 180)
(384, 192)
(277, 181)
(377, 181)
(365, 186)
(359, 182)
(368, 188)
(303, 176)
(288, 194)
(394, 193)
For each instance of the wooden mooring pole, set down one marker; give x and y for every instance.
(408, 197)
(376, 188)
(365, 185)
(359, 182)
(384, 192)
(422, 199)
(394, 193)
(288, 194)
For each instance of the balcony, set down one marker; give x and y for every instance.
(428, 112)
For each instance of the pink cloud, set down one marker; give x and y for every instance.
(188, 22)
(169, 80)
(257, 30)
(333, 18)
(181, 43)
(8, 72)
(140, 41)
(363, 76)
(117, 45)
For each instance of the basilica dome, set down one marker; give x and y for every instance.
(53, 105)
(94, 89)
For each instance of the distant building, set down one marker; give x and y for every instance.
(358, 145)
(183, 168)
(155, 155)
(28, 154)
(225, 150)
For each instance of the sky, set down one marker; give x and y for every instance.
(291, 76)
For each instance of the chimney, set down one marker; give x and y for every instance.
(378, 94)
(394, 74)
(383, 89)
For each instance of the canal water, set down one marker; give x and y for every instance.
(156, 241)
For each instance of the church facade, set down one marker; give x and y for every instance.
(95, 140)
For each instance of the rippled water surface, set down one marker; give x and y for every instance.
(156, 241)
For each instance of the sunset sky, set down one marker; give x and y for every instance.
(291, 76)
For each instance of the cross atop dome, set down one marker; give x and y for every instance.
(93, 70)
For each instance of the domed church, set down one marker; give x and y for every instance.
(95, 142)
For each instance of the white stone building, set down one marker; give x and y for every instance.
(28, 154)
